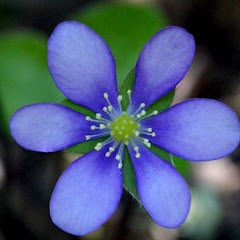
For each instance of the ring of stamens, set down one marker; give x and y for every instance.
(121, 127)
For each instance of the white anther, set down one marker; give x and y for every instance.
(142, 105)
(124, 113)
(138, 115)
(122, 127)
(136, 149)
(126, 142)
(119, 165)
(145, 140)
(118, 157)
(149, 129)
(126, 136)
(110, 108)
(98, 116)
(97, 148)
(108, 154)
(111, 149)
(99, 144)
(119, 98)
(105, 95)
(87, 118)
(155, 112)
(102, 126)
(87, 137)
(137, 155)
(117, 128)
(137, 133)
(129, 92)
(153, 134)
(105, 109)
(143, 113)
(93, 127)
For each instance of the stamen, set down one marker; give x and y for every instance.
(155, 112)
(98, 119)
(136, 149)
(109, 113)
(152, 134)
(119, 102)
(142, 105)
(101, 126)
(110, 107)
(129, 92)
(145, 141)
(119, 155)
(102, 134)
(100, 145)
(143, 113)
(98, 116)
(112, 149)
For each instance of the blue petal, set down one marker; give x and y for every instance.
(162, 64)
(162, 190)
(48, 127)
(82, 65)
(197, 129)
(87, 193)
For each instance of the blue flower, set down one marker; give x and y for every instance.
(89, 190)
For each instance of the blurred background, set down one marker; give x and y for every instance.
(28, 178)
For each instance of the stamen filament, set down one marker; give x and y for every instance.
(102, 134)
(155, 112)
(119, 155)
(142, 105)
(120, 102)
(129, 92)
(110, 107)
(100, 145)
(98, 120)
(152, 134)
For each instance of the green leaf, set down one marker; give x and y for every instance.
(127, 85)
(78, 108)
(128, 174)
(160, 105)
(126, 28)
(85, 147)
(24, 74)
(182, 165)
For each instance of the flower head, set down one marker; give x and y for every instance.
(89, 190)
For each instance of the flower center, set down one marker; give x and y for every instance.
(123, 127)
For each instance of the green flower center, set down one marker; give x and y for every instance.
(124, 127)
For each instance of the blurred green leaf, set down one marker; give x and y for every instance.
(126, 28)
(24, 76)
